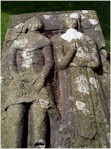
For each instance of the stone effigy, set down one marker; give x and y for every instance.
(55, 90)
(30, 63)
(77, 58)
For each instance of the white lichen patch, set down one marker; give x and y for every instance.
(71, 98)
(81, 54)
(73, 64)
(75, 15)
(107, 126)
(41, 144)
(1, 78)
(59, 60)
(105, 120)
(48, 58)
(82, 84)
(19, 25)
(82, 107)
(61, 128)
(69, 123)
(84, 11)
(93, 21)
(82, 17)
(20, 43)
(71, 34)
(46, 16)
(66, 15)
(27, 58)
(44, 103)
(93, 81)
(97, 28)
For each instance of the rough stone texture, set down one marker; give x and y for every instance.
(78, 87)
(29, 64)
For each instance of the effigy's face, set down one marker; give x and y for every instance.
(70, 23)
(33, 24)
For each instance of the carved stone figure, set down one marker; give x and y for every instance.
(82, 103)
(61, 104)
(30, 63)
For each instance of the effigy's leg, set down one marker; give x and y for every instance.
(14, 126)
(39, 118)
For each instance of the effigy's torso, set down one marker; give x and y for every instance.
(29, 56)
(29, 61)
(81, 94)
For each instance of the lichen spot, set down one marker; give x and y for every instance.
(65, 15)
(48, 59)
(19, 25)
(107, 126)
(27, 58)
(44, 103)
(82, 84)
(93, 81)
(46, 16)
(59, 60)
(81, 54)
(69, 123)
(20, 43)
(82, 17)
(75, 15)
(61, 128)
(71, 98)
(1, 78)
(40, 144)
(82, 107)
(71, 34)
(93, 21)
(97, 28)
(84, 11)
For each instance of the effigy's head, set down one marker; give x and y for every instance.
(33, 24)
(72, 21)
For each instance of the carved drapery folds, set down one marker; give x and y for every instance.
(55, 90)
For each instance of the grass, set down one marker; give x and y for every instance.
(18, 7)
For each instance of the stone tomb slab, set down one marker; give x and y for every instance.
(66, 119)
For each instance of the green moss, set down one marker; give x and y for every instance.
(4, 20)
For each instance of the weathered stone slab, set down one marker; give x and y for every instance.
(72, 108)
(89, 20)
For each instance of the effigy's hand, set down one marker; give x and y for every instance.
(39, 83)
(73, 46)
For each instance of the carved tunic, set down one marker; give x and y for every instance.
(27, 62)
(80, 94)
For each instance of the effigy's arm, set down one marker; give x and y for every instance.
(91, 58)
(40, 80)
(94, 55)
(48, 61)
(12, 62)
(62, 59)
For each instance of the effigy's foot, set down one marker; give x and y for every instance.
(40, 144)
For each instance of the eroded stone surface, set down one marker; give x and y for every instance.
(81, 96)
(80, 82)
